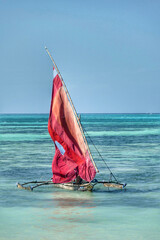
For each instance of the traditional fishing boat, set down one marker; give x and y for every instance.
(73, 166)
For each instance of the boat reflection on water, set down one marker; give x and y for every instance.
(73, 215)
(67, 199)
(71, 211)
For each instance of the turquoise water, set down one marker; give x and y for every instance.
(130, 143)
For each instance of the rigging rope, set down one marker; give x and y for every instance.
(111, 174)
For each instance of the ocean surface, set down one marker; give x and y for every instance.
(129, 143)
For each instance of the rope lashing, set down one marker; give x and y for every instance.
(111, 174)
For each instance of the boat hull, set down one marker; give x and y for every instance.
(76, 187)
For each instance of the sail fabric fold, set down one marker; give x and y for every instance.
(63, 168)
(71, 155)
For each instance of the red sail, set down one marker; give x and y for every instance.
(71, 155)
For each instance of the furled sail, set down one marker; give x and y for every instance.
(71, 155)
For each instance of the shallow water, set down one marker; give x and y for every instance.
(130, 143)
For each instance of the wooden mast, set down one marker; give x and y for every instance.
(74, 110)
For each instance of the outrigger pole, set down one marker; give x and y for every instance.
(41, 183)
(30, 188)
(74, 110)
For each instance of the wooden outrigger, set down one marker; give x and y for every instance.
(86, 186)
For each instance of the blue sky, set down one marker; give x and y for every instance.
(108, 53)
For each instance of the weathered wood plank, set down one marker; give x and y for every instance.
(25, 188)
(114, 185)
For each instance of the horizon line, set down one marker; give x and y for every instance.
(84, 113)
